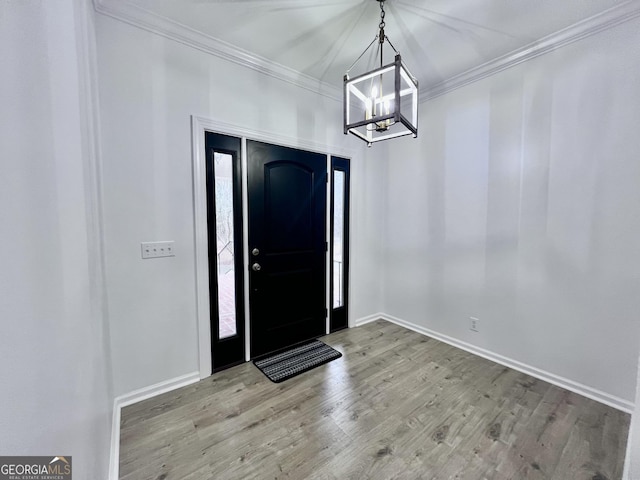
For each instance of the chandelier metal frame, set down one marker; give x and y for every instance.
(371, 115)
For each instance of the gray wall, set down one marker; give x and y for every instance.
(519, 204)
(56, 393)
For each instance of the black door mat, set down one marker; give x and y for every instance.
(287, 364)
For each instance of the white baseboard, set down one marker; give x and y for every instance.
(114, 458)
(580, 389)
(135, 397)
(626, 473)
(368, 319)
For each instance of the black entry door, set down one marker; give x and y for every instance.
(287, 214)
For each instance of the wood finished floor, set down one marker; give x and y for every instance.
(396, 405)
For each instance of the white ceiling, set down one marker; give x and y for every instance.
(438, 39)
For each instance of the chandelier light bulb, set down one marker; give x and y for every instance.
(368, 109)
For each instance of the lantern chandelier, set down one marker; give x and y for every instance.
(382, 103)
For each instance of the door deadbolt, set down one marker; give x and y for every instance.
(256, 267)
(255, 252)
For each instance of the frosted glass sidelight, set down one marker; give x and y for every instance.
(225, 248)
(338, 238)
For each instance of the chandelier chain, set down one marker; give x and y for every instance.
(381, 38)
(382, 23)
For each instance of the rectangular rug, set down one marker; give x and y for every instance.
(299, 359)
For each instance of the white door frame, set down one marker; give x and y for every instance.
(200, 125)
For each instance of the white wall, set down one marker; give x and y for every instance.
(149, 88)
(56, 395)
(519, 204)
(368, 196)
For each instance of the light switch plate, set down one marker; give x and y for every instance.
(157, 249)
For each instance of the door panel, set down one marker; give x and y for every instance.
(287, 206)
(291, 227)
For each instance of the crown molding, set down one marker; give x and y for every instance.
(152, 22)
(165, 27)
(578, 31)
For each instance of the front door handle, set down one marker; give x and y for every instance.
(256, 267)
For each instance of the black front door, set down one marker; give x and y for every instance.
(287, 215)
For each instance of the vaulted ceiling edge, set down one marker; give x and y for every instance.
(171, 29)
(578, 31)
(165, 27)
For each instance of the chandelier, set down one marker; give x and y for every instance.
(382, 103)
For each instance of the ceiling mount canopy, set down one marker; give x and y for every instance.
(381, 103)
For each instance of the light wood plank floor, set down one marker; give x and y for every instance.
(396, 405)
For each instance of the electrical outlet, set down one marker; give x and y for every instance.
(157, 249)
(474, 324)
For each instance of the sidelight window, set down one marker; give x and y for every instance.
(339, 243)
(338, 238)
(225, 246)
(224, 222)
